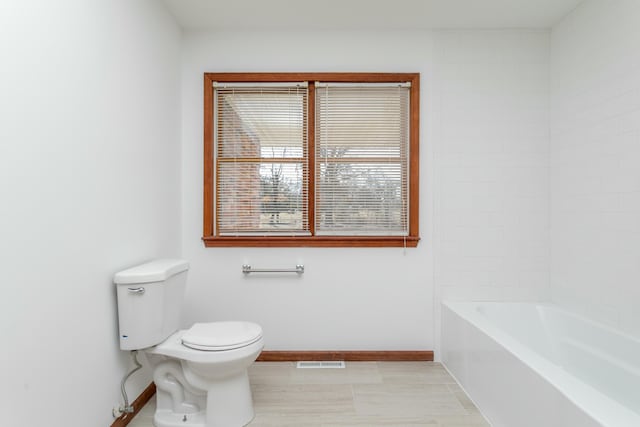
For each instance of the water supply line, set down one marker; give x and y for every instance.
(128, 409)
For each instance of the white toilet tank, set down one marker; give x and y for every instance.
(150, 299)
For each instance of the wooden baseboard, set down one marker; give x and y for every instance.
(140, 401)
(348, 356)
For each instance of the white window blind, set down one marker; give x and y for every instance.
(261, 166)
(362, 153)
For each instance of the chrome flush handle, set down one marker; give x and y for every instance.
(139, 291)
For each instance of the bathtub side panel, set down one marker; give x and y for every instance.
(506, 390)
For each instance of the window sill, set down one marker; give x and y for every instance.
(312, 242)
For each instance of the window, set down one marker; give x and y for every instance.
(311, 159)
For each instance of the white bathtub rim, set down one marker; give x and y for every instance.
(599, 406)
(561, 309)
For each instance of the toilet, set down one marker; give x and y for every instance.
(200, 373)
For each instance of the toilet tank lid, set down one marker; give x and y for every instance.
(152, 271)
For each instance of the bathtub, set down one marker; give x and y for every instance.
(532, 365)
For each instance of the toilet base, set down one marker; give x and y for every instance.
(223, 402)
(229, 402)
(168, 418)
(202, 388)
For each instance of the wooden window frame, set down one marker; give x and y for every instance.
(411, 240)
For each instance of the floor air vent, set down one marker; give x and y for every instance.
(320, 365)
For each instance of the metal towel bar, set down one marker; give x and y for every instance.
(246, 269)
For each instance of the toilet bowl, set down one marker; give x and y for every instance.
(214, 374)
(200, 373)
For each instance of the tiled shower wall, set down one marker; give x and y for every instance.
(491, 159)
(595, 162)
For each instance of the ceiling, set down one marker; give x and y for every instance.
(367, 14)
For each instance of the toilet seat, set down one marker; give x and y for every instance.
(221, 336)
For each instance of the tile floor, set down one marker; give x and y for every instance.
(362, 394)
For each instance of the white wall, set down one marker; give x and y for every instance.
(595, 176)
(484, 111)
(347, 299)
(492, 165)
(89, 184)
